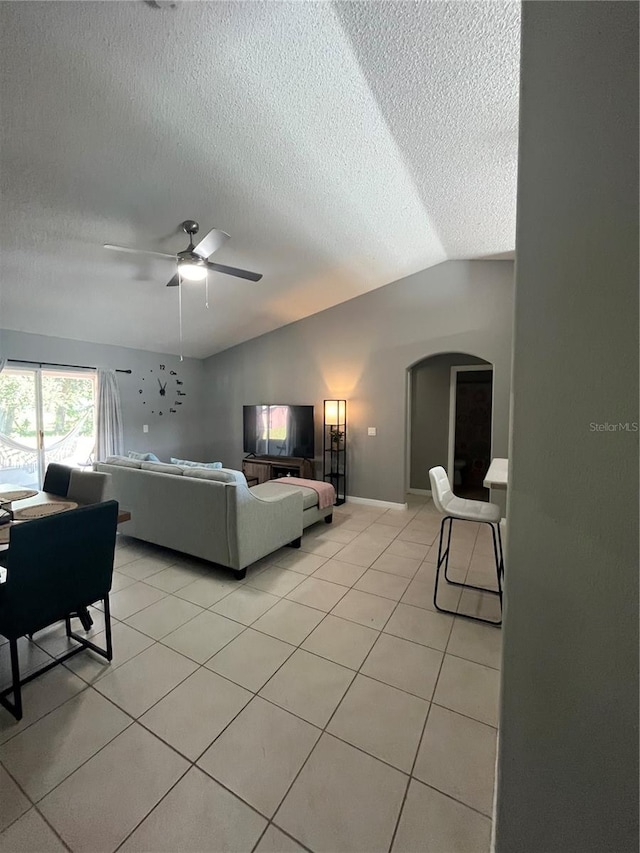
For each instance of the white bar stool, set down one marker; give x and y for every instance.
(461, 509)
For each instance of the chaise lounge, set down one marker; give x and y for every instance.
(211, 514)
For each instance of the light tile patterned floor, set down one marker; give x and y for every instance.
(321, 704)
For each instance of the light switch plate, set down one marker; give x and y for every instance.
(371, 431)
(145, 428)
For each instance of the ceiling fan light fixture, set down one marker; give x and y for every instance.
(192, 271)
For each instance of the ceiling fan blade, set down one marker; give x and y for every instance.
(138, 251)
(211, 242)
(175, 281)
(251, 276)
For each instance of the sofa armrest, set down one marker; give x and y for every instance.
(259, 526)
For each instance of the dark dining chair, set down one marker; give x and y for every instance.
(83, 487)
(56, 566)
(56, 479)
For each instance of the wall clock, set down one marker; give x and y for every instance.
(162, 391)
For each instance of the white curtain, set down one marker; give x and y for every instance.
(109, 426)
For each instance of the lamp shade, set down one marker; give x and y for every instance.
(335, 411)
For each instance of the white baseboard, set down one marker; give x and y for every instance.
(425, 492)
(372, 502)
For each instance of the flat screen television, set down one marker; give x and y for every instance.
(278, 430)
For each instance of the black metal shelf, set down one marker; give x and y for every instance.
(334, 455)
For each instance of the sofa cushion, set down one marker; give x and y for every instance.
(143, 457)
(123, 461)
(185, 463)
(161, 468)
(272, 489)
(221, 475)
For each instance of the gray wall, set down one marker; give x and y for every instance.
(568, 760)
(430, 399)
(170, 435)
(361, 350)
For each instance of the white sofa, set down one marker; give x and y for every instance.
(211, 514)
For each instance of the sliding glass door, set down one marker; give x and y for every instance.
(45, 416)
(19, 447)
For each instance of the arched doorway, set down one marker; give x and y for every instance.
(450, 422)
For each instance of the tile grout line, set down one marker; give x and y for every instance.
(324, 729)
(32, 805)
(284, 832)
(132, 719)
(194, 762)
(256, 693)
(229, 723)
(36, 803)
(52, 828)
(381, 631)
(424, 728)
(415, 757)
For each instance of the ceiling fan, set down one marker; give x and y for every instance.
(193, 263)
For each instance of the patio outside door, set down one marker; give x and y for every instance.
(45, 416)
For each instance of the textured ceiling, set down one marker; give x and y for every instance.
(342, 145)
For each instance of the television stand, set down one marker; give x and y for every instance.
(265, 468)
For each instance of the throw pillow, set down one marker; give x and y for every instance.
(187, 464)
(123, 461)
(143, 457)
(222, 475)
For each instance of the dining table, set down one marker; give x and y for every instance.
(19, 505)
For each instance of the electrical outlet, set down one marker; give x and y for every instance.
(145, 428)
(371, 431)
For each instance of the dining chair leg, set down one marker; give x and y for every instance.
(15, 707)
(107, 626)
(84, 643)
(85, 618)
(15, 678)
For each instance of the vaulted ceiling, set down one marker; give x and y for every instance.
(342, 145)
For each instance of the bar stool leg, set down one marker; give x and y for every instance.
(501, 550)
(497, 552)
(443, 558)
(447, 552)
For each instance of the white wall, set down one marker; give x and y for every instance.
(568, 759)
(179, 434)
(361, 350)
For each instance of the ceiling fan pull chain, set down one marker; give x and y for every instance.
(180, 311)
(206, 292)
